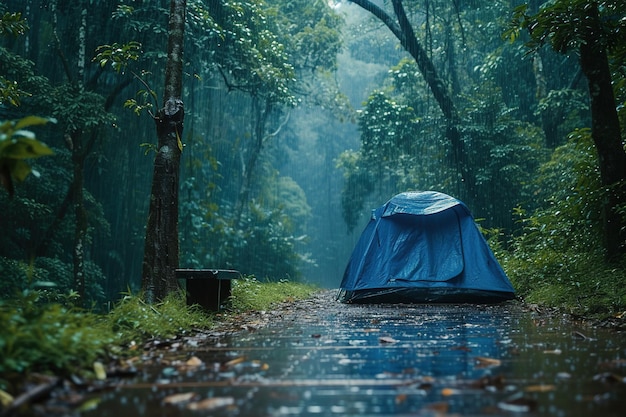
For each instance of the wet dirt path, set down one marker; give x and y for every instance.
(318, 357)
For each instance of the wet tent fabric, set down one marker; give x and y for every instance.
(423, 247)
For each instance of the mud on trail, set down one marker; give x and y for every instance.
(318, 357)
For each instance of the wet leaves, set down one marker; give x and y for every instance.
(189, 400)
(484, 362)
(176, 399)
(518, 403)
(387, 340)
(540, 388)
(99, 371)
(211, 404)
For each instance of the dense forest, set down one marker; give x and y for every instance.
(292, 120)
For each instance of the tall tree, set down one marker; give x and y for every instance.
(578, 25)
(401, 28)
(161, 250)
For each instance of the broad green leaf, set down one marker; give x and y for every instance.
(24, 148)
(32, 121)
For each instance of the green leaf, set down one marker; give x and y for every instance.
(32, 121)
(26, 147)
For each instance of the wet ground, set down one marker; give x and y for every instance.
(321, 358)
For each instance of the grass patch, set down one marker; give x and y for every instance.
(250, 294)
(133, 319)
(38, 336)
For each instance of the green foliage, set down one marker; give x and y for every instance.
(36, 337)
(564, 24)
(52, 277)
(9, 92)
(403, 147)
(39, 336)
(16, 145)
(18, 82)
(134, 320)
(557, 259)
(12, 24)
(250, 294)
(78, 110)
(118, 55)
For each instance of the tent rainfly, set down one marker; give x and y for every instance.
(423, 247)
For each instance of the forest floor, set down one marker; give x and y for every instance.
(259, 349)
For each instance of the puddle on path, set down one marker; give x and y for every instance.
(324, 358)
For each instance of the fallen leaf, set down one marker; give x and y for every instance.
(98, 369)
(484, 362)
(235, 361)
(446, 392)
(540, 388)
(211, 404)
(518, 404)
(90, 405)
(182, 397)
(5, 398)
(194, 361)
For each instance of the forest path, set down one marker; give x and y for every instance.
(318, 357)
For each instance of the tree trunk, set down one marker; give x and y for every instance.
(161, 250)
(606, 133)
(261, 114)
(403, 31)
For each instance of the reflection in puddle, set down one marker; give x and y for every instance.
(393, 360)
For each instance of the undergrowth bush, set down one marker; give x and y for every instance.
(558, 258)
(48, 337)
(37, 335)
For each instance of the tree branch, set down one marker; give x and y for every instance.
(381, 15)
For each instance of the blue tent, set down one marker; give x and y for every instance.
(423, 247)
